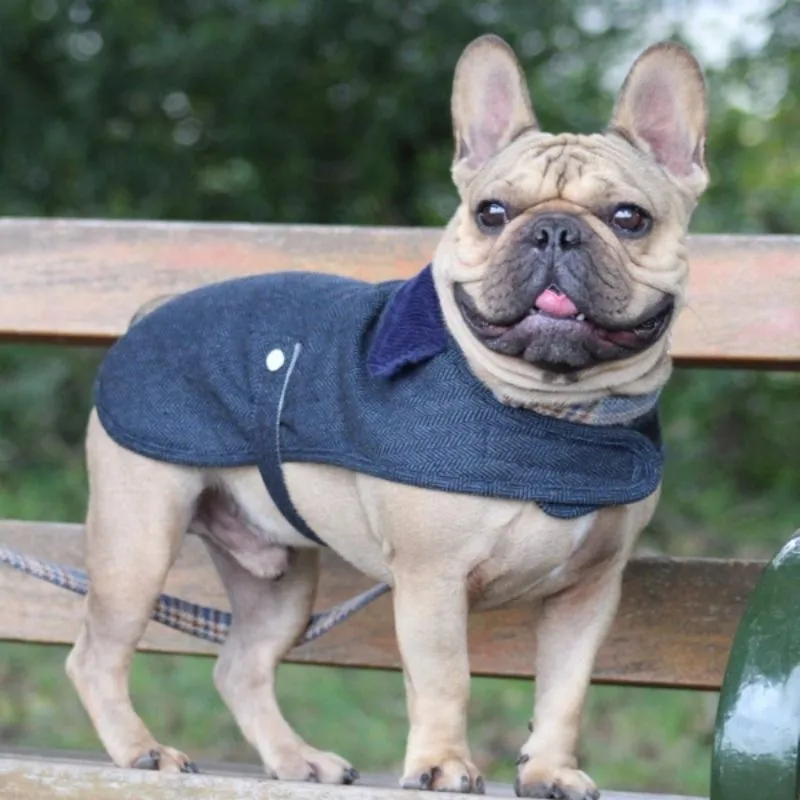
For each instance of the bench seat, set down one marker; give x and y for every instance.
(56, 776)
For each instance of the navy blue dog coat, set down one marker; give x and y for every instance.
(301, 367)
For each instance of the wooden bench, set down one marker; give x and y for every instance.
(71, 282)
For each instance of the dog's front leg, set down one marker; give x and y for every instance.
(571, 628)
(431, 622)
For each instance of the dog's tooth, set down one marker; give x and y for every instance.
(581, 317)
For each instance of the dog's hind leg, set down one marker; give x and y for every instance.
(268, 617)
(138, 512)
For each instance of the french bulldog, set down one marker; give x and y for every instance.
(540, 328)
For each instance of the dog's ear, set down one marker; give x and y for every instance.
(661, 108)
(490, 105)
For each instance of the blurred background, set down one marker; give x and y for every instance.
(337, 111)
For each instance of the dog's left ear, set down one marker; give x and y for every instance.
(661, 108)
(490, 105)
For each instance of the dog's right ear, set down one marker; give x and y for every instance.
(490, 105)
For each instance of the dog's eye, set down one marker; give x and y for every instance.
(630, 220)
(491, 216)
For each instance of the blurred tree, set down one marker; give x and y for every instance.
(338, 111)
(308, 110)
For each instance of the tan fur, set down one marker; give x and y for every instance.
(444, 554)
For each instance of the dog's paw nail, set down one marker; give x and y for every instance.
(190, 767)
(149, 760)
(351, 775)
(424, 780)
(480, 786)
(466, 784)
(522, 759)
(530, 726)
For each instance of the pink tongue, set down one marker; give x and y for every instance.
(555, 304)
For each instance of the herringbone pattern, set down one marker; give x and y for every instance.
(191, 384)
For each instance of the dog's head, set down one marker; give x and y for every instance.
(563, 268)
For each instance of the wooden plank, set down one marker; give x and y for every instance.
(83, 279)
(675, 625)
(43, 779)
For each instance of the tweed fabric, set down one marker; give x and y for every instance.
(370, 380)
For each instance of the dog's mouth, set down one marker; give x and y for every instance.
(556, 334)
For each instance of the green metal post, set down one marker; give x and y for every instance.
(758, 720)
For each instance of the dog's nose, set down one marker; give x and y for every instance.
(556, 232)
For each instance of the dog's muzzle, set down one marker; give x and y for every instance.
(557, 335)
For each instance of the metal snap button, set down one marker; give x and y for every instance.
(275, 360)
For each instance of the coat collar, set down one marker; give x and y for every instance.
(410, 330)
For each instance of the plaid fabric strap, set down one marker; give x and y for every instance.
(202, 622)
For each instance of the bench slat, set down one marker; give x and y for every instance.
(674, 628)
(81, 280)
(72, 779)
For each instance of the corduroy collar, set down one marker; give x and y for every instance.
(411, 329)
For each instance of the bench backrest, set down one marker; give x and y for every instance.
(80, 282)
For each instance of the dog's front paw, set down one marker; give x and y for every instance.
(311, 765)
(443, 775)
(164, 759)
(536, 778)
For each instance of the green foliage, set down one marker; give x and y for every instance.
(337, 111)
(251, 111)
(44, 405)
